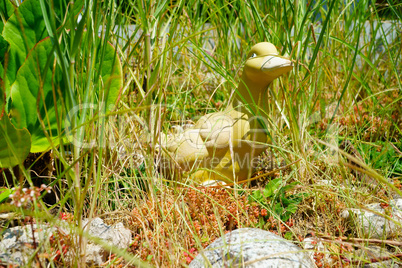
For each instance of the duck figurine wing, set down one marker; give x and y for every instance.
(225, 145)
(216, 130)
(211, 132)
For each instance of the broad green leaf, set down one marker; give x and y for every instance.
(3, 45)
(8, 75)
(24, 95)
(2, 92)
(288, 235)
(14, 144)
(112, 76)
(25, 28)
(278, 209)
(6, 9)
(27, 86)
(292, 208)
(22, 31)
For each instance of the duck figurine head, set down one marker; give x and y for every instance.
(225, 145)
(263, 65)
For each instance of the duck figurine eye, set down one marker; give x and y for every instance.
(253, 55)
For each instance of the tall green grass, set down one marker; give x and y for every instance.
(182, 58)
(190, 55)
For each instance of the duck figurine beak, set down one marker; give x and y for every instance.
(263, 65)
(273, 63)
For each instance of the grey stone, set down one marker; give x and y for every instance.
(372, 222)
(95, 254)
(116, 235)
(18, 243)
(382, 264)
(251, 247)
(373, 252)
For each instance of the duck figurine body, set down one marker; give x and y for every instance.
(224, 146)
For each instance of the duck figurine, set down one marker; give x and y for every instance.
(224, 146)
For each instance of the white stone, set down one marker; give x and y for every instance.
(373, 222)
(116, 235)
(14, 249)
(373, 252)
(250, 247)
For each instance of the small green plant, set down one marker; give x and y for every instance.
(384, 156)
(276, 200)
(5, 194)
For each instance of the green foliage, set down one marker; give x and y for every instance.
(186, 55)
(277, 200)
(32, 91)
(4, 194)
(288, 236)
(6, 10)
(24, 29)
(384, 156)
(39, 90)
(2, 93)
(14, 144)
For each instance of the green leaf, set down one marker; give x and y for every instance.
(24, 29)
(14, 144)
(9, 74)
(6, 9)
(2, 92)
(292, 208)
(386, 160)
(288, 235)
(290, 186)
(112, 77)
(38, 75)
(3, 45)
(278, 209)
(271, 187)
(24, 95)
(285, 201)
(257, 196)
(261, 223)
(5, 194)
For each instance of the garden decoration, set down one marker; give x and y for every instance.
(224, 145)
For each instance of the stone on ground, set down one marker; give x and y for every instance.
(251, 247)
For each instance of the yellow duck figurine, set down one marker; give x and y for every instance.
(224, 146)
